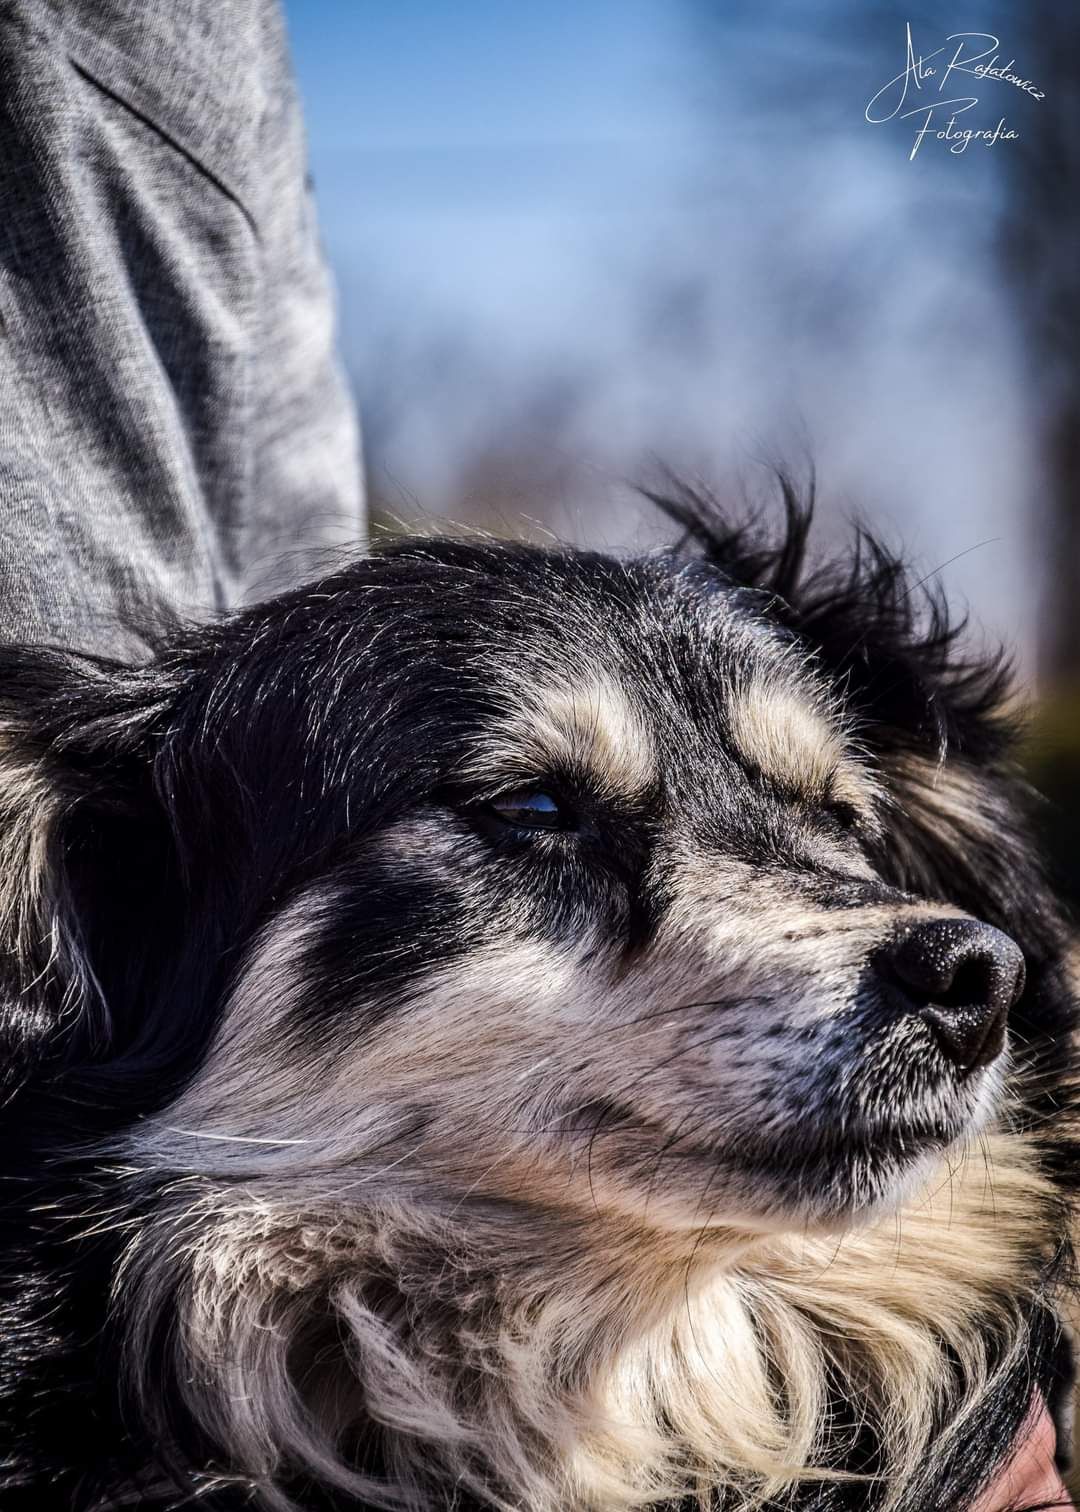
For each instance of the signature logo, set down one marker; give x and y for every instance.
(926, 92)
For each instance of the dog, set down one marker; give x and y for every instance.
(510, 1027)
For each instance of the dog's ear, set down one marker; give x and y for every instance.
(937, 718)
(85, 853)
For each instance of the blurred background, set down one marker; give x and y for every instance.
(579, 242)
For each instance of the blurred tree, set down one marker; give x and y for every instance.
(1041, 246)
(1041, 254)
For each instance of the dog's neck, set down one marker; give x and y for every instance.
(591, 1363)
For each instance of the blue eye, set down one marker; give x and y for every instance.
(533, 809)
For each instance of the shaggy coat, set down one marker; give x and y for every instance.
(452, 1055)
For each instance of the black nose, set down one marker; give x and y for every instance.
(962, 978)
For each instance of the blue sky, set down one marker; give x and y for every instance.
(420, 74)
(439, 131)
(664, 228)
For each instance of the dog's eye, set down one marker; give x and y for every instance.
(532, 809)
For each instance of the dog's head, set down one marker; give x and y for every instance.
(694, 887)
(408, 981)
